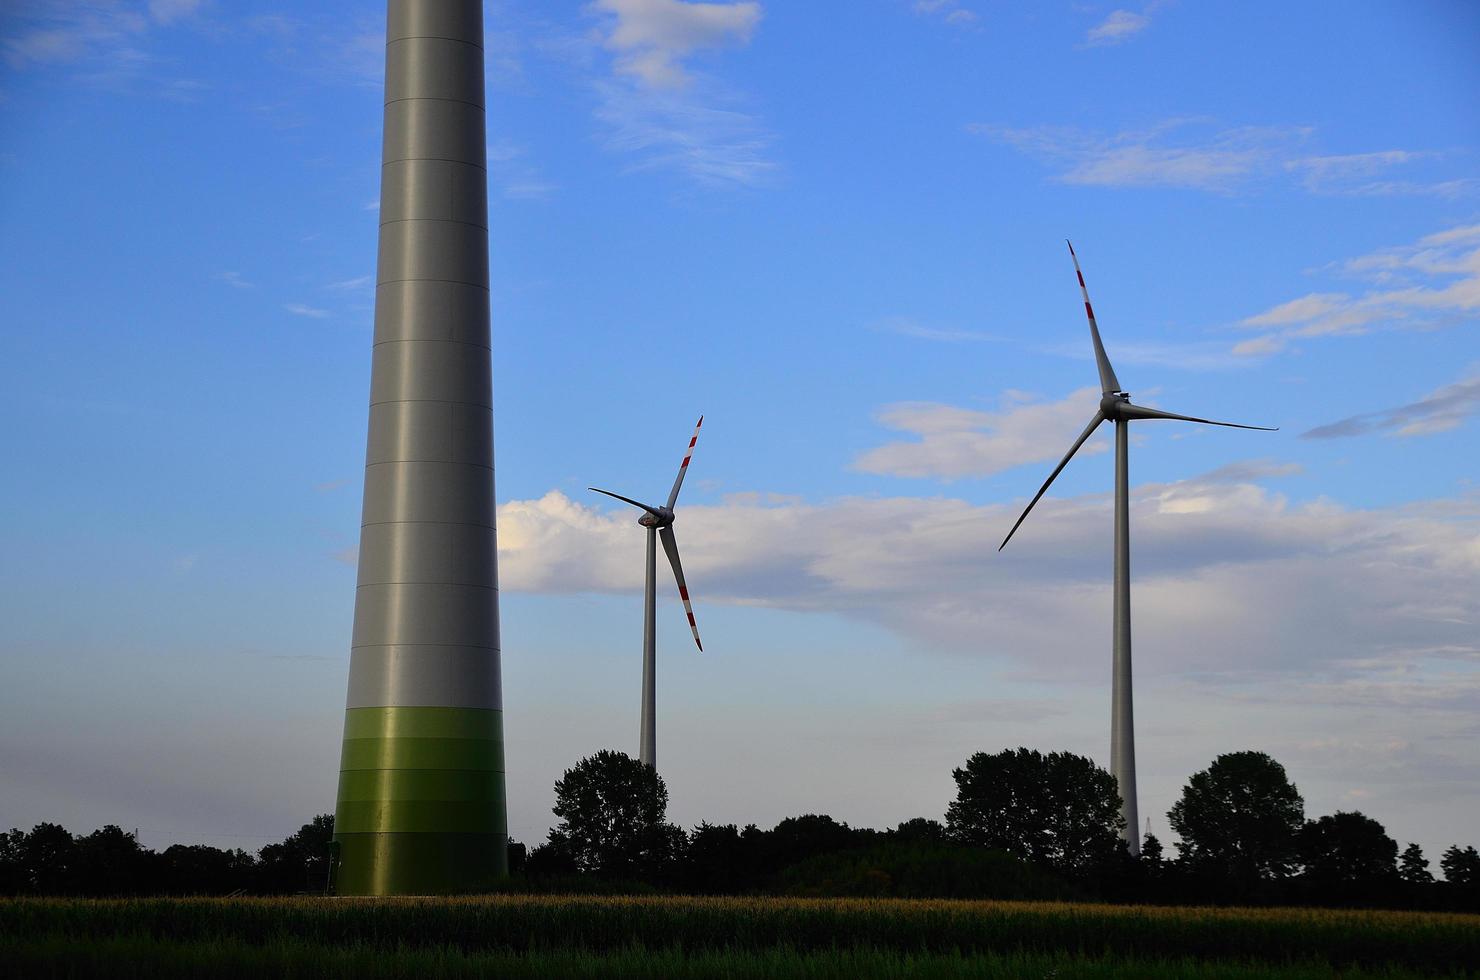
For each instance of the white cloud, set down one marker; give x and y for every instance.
(652, 37)
(1120, 26)
(358, 282)
(1429, 283)
(234, 279)
(301, 309)
(668, 116)
(959, 442)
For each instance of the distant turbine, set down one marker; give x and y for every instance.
(659, 523)
(1115, 405)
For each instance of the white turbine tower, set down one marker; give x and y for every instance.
(659, 524)
(1115, 406)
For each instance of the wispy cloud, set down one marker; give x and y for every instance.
(1193, 154)
(909, 327)
(667, 115)
(165, 11)
(1427, 284)
(350, 285)
(108, 37)
(235, 279)
(301, 309)
(514, 176)
(949, 11)
(957, 442)
(1440, 410)
(1120, 26)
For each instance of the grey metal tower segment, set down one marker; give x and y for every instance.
(647, 749)
(1122, 718)
(421, 796)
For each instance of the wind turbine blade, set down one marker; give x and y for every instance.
(1108, 381)
(629, 500)
(670, 545)
(1088, 431)
(684, 466)
(1139, 412)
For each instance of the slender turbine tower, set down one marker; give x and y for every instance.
(659, 524)
(1115, 406)
(421, 785)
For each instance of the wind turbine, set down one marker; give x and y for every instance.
(659, 524)
(1115, 406)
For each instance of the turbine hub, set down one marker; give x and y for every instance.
(1111, 401)
(664, 518)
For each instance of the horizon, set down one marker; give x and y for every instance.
(839, 238)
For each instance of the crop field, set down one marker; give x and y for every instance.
(677, 937)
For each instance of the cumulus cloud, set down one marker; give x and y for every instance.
(665, 114)
(959, 442)
(1432, 282)
(1439, 411)
(1230, 577)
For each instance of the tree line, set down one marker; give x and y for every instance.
(1024, 824)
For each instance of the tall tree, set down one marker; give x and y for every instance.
(1241, 817)
(1413, 867)
(1348, 850)
(1059, 810)
(1461, 866)
(613, 817)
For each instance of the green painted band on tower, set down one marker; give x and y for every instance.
(421, 803)
(424, 722)
(484, 755)
(418, 864)
(420, 816)
(419, 784)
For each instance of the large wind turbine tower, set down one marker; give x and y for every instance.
(1115, 406)
(421, 785)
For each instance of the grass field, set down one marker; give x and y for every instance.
(589, 936)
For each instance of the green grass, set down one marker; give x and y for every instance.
(590, 936)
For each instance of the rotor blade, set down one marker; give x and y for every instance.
(684, 466)
(1108, 381)
(1088, 431)
(1140, 412)
(629, 500)
(670, 545)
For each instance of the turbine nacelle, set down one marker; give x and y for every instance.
(657, 517)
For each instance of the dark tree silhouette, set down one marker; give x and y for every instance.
(613, 818)
(1058, 810)
(48, 860)
(920, 829)
(1413, 867)
(1240, 817)
(1461, 866)
(301, 862)
(1348, 854)
(111, 862)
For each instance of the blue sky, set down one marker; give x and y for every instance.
(837, 231)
